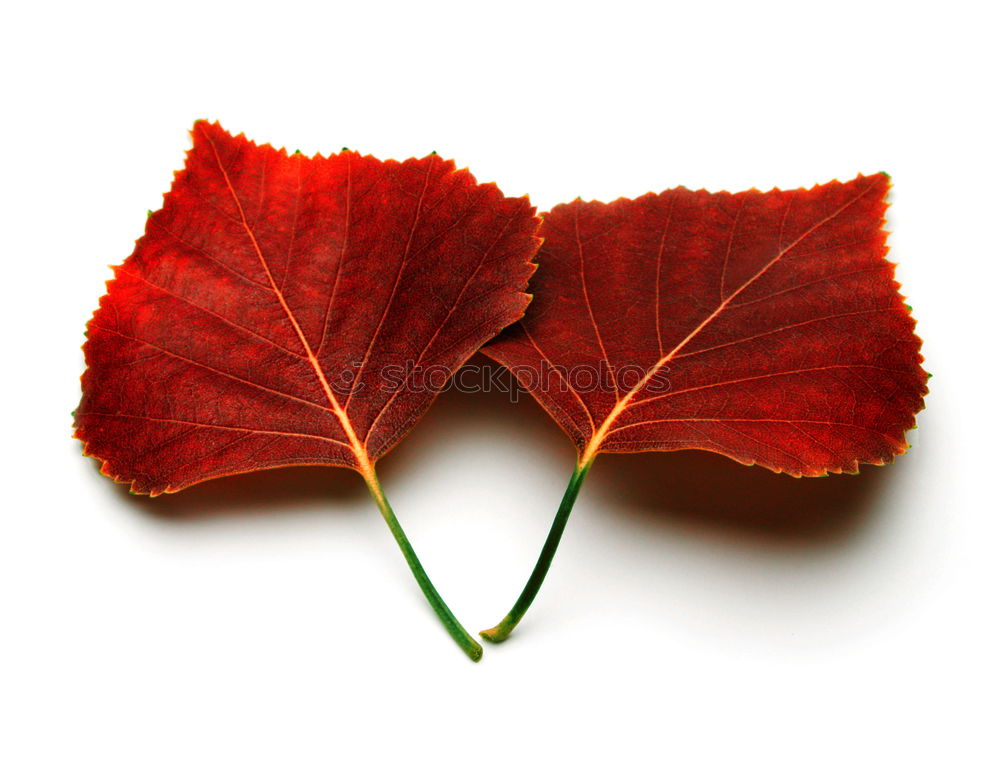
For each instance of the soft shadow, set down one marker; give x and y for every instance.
(496, 413)
(698, 491)
(294, 488)
(710, 493)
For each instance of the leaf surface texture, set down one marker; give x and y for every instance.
(285, 310)
(765, 326)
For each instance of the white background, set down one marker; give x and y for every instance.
(698, 610)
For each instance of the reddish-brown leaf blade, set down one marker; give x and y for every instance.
(763, 326)
(288, 310)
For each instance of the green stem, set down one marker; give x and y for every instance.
(461, 636)
(502, 630)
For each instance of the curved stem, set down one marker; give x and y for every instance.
(502, 630)
(461, 636)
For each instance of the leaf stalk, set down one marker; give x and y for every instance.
(466, 642)
(502, 630)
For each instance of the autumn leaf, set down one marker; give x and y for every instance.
(763, 326)
(284, 310)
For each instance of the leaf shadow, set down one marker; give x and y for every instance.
(294, 488)
(698, 491)
(705, 493)
(501, 412)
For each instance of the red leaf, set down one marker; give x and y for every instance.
(283, 310)
(274, 304)
(763, 326)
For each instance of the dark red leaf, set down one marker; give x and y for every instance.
(763, 326)
(288, 310)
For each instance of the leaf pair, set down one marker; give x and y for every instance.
(284, 310)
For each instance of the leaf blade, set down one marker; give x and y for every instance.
(743, 288)
(255, 305)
